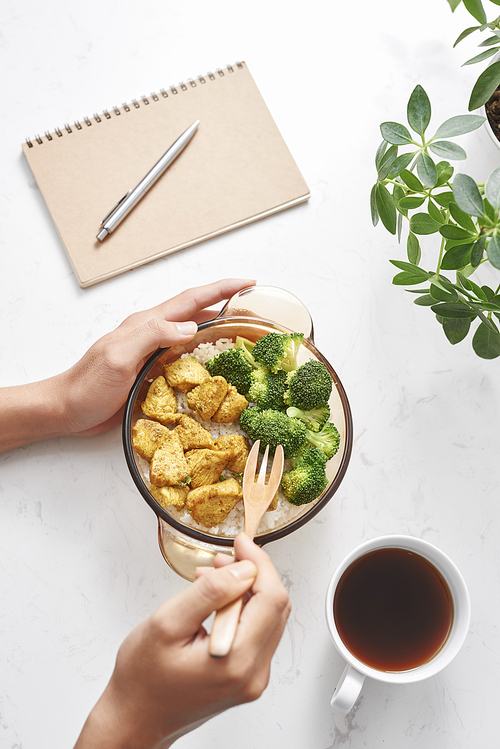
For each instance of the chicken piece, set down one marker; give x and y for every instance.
(168, 465)
(210, 505)
(205, 466)
(231, 407)
(192, 435)
(170, 496)
(207, 397)
(274, 501)
(238, 448)
(185, 374)
(147, 437)
(160, 402)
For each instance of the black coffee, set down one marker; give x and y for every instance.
(393, 609)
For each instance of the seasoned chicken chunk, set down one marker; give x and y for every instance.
(205, 466)
(185, 374)
(168, 465)
(210, 505)
(238, 448)
(231, 407)
(148, 436)
(160, 402)
(207, 397)
(274, 501)
(170, 496)
(192, 435)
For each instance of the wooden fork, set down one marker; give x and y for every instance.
(257, 496)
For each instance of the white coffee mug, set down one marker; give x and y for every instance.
(355, 672)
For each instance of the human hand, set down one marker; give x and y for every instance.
(95, 388)
(165, 682)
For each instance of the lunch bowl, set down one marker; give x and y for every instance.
(251, 313)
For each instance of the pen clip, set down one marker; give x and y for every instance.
(115, 207)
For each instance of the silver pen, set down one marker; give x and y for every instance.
(132, 197)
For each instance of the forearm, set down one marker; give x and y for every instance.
(30, 413)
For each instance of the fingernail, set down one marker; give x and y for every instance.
(187, 328)
(243, 570)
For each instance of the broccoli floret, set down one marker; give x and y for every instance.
(307, 478)
(267, 388)
(278, 350)
(315, 419)
(327, 439)
(234, 367)
(309, 386)
(246, 348)
(274, 428)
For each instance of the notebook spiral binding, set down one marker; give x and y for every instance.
(134, 104)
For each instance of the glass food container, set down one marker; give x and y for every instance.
(251, 313)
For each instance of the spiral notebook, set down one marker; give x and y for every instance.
(235, 170)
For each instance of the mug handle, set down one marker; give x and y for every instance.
(347, 690)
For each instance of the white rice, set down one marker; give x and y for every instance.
(233, 524)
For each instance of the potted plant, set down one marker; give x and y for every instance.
(485, 91)
(415, 188)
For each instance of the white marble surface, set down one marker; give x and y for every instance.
(79, 560)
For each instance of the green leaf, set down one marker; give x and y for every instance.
(483, 56)
(486, 84)
(478, 251)
(400, 163)
(469, 284)
(489, 211)
(462, 218)
(448, 150)
(494, 251)
(454, 4)
(373, 205)
(385, 207)
(492, 189)
(475, 8)
(411, 201)
(413, 249)
(486, 342)
(466, 33)
(386, 162)
(406, 278)
(425, 301)
(444, 198)
(411, 181)
(490, 41)
(489, 292)
(457, 258)
(380, 153)
(453, 309)
(450, 231)
(419, 110)
(398, 194)
(400, 224)
(467, 195)
(440, 295)
(445, 172)
(455, 242)
(426, 170)
(422, 223)
(410, 267)
(435, 213)
(459, 125)
(455, 329)
(394, 133)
